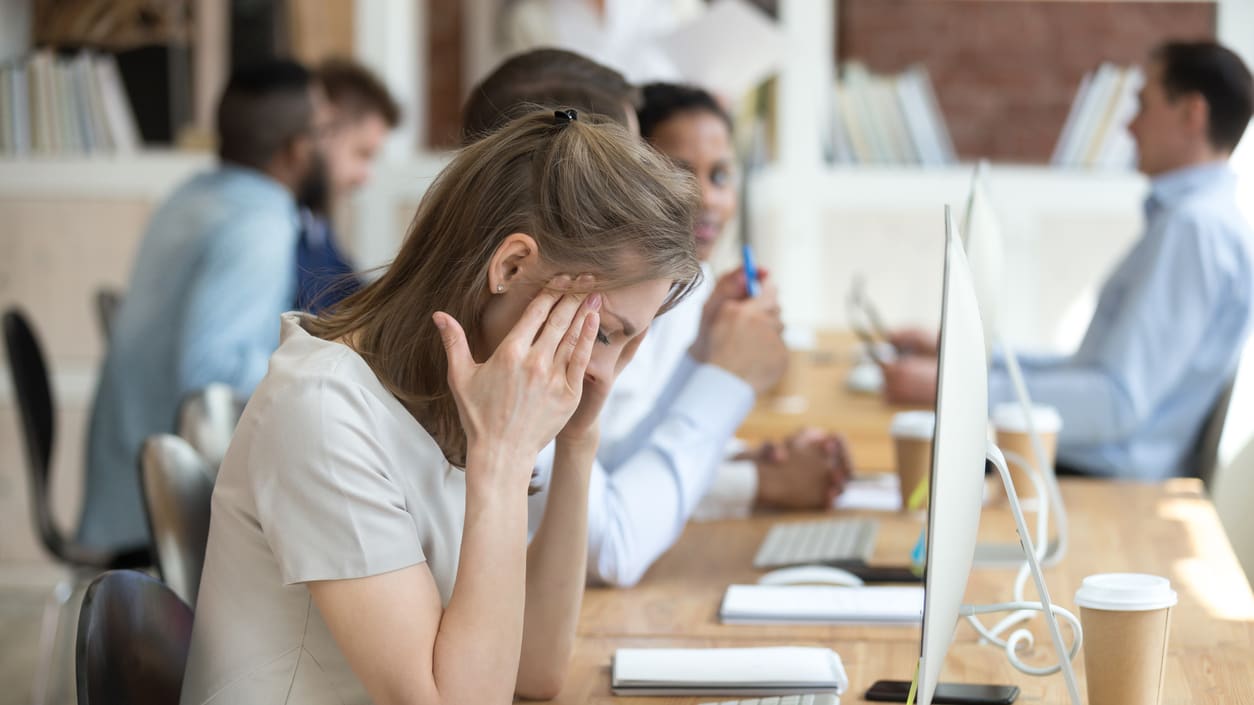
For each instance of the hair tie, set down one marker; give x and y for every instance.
(562, 118)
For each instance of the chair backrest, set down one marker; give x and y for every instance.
(178, 487)
(1206, 451)
(107, 303)
(34, 399)
(1233, 494)
(1239, 424)
(207, 419)
(133, 638)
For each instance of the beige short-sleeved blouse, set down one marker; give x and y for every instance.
(328, 477)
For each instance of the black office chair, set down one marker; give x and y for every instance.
(107, 303)
(133, 638)
(177, 485)
(34, 397)
(35, 405)
(1206, 449)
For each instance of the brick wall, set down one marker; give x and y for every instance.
(1006, 72)
(444, 87)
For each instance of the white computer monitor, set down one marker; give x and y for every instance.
(960, 450)
(985, 250)
(958, 456)
(982, 243)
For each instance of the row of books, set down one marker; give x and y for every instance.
(1095, 134)
(887, 119)
(52, 104)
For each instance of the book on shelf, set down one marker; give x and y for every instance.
(887, 119)
(52, 104)
(1095, 134)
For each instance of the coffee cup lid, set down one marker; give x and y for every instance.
(1125, 592)
(913, 424)
(1010, 417)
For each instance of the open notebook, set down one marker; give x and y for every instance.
(807, 604)
(776, 670)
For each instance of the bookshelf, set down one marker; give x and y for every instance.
(1006, 72)
(53, 104)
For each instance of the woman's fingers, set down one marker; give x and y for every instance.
(574, 332)
(460, 362)
(537, 312)
(565, 318)
(581, 354)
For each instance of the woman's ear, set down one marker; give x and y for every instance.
(517, 259)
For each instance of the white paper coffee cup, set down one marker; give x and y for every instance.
(1126, 619)
(912, 445)
(1010, 417)
(1010, 424)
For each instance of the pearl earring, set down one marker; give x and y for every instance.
(500, 288)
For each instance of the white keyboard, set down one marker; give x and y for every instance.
(810, 699)
(826, 541)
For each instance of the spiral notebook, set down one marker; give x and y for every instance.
(778, 670)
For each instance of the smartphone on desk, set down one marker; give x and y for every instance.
(946, 693)
(872, 574)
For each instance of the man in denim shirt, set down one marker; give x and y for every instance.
(214, 271)
(1173, 317)
(363, 113)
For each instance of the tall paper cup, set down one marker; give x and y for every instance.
(1126, 619)
(1011, 427)
(912, 446)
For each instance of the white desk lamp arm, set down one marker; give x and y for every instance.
(994, 455)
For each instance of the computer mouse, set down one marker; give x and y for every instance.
(865, 378)
(811, 575)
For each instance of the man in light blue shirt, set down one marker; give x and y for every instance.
(1172, 318)
(214, 271)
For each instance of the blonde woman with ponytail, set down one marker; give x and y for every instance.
(369, 531)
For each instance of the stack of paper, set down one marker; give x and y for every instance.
(737, 672)
(806, 604)
(879, 492)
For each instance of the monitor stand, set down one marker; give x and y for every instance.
(1010, 555)
(1029, 555)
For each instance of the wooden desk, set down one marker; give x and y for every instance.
(1212, 675)
(1168, 529)
(814, 393)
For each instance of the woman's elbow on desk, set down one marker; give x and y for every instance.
(545, 684)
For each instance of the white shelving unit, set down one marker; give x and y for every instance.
(69, 225)
(1063, 231)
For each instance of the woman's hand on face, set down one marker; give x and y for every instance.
(517, 401)
(583, 427)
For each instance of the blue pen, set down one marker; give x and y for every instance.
(751, 271)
